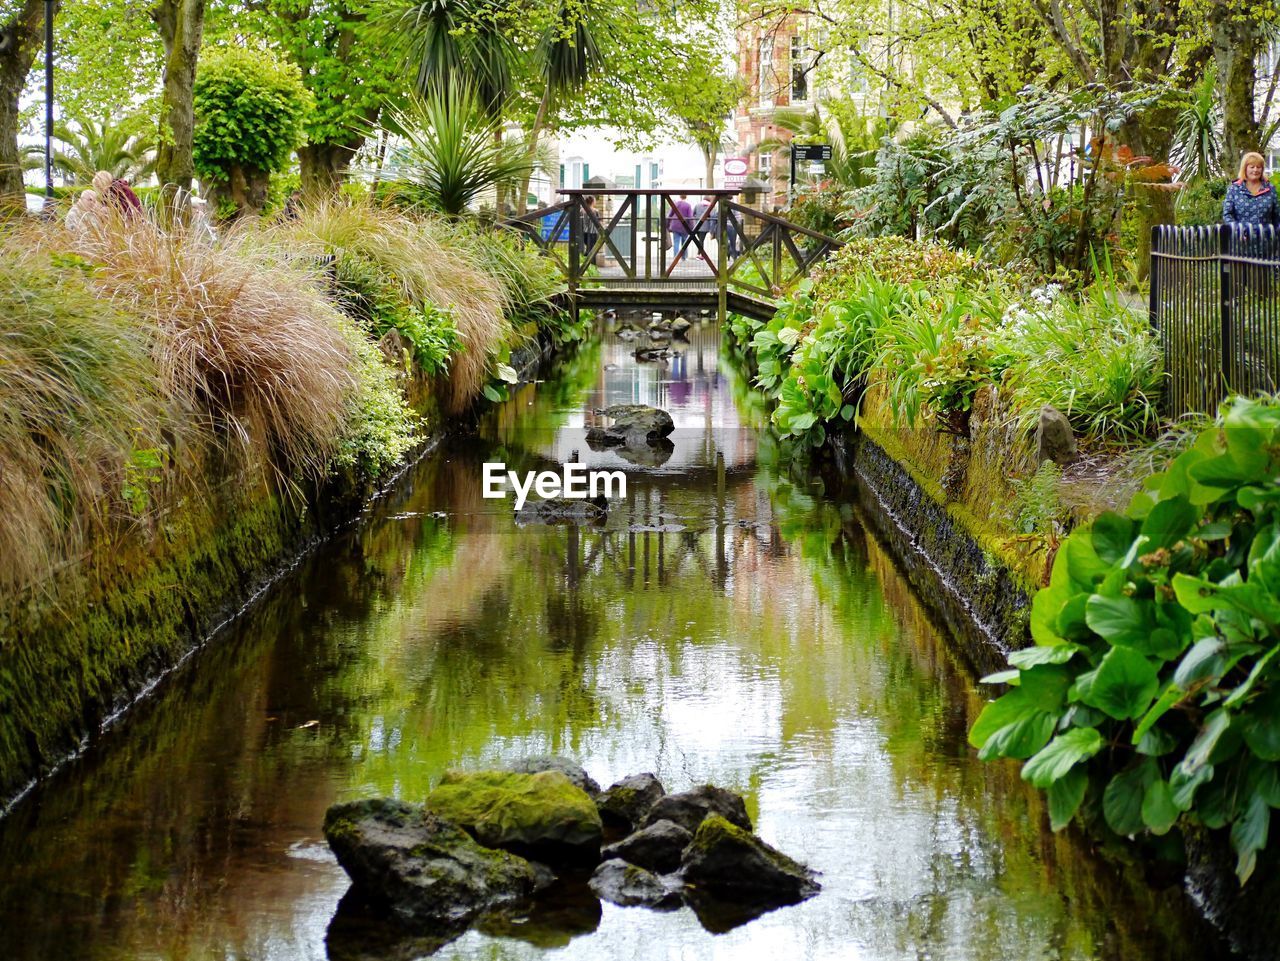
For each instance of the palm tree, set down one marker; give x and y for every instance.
(93, 145)
(451, 154)
(456, 39)
(1197, 138)
(852, 150)
(448, 39)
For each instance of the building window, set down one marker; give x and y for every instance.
(765, 164)
(799, 76)
(764, 76)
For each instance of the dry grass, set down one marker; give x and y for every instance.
(424, 257)
(78, 395)
(239, 335)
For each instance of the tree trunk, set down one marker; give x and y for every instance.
(20, 40)
(1237, 43)
(709, 158)
(181, 24)
(246, 188)
(324, 165)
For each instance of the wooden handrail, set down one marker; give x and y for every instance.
(779, 251)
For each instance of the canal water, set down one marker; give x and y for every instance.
(729, 622)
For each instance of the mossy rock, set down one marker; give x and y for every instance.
(629, 800)
(430, 873)
(728, 862)
(542, 812)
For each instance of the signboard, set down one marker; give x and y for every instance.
(811, 151)
(735, 171)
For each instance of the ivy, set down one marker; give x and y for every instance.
(1152, 686)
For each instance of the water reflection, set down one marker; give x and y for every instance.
(728, 623)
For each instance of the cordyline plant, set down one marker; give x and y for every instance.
(1150, 700)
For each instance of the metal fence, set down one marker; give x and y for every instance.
(1215, 302)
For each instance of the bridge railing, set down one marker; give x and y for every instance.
(643, 240)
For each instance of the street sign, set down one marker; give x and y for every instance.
(735, 171)
(811, 151)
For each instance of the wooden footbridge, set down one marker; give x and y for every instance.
(616, 249)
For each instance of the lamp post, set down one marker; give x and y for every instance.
(49, 6)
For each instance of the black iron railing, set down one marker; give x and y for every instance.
(1215, 302)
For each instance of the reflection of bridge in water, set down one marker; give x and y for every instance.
(624, 248)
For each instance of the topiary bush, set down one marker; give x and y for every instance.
(1151, 698)
(250, 110)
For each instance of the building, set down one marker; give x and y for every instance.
(777, 61)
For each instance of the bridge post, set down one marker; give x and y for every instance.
(575, 252)
(722, 260)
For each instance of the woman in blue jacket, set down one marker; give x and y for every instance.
(1251, 199)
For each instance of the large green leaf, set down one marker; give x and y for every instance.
(1183, 783)
(1249, 836)
(1061, 754)
(1203, 661)
(1122, 799)
(1202, 747)
(1065, 795)
(1121, 620)
(1123, 685)
(1158, 810)
(1169, 522)
(1021, 739)
(1112, 535)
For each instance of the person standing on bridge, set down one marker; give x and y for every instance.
(677, 225)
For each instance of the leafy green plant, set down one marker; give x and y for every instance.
(122, 147)
(143, 470)
(1149, 700)
(1038, 509)
(451, 152)
(251, 109)
(1094, 358)
(939, 352)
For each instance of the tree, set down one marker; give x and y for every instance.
(704, 109)
(92, 145)
(1242, 31)
(346, 59)
(250, 109)
(181, 25)
(21, 34)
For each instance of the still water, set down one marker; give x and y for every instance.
(730, 622)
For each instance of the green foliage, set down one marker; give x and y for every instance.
(942, 328)
(900, 261)
(1094, 358)
(365, 291)
(119, 147)
(251, 109)
(451, 154)
(1038, 509)
(1156, 638)
(1200, 203)
(381, 428)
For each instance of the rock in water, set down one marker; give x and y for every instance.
(629, 800)
(658, 847)
(680, 327)
(544, 813)
(630, 418)
(688, 808)
(725, 861)
(429, 872)
(570, 768)
(1054, 438)
(628, 885)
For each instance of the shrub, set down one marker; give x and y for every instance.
(899, 260)
(1149, 701)
(380, 428)
(1094, 359)
(1200, 203)
(251, 109)
(420, 257)
(237, 334)
(77, 396)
